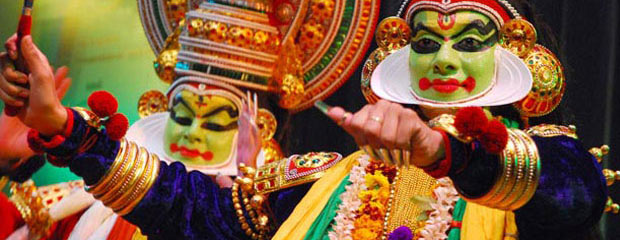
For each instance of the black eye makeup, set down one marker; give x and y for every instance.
(185, 121)
(425, 45)
(219, 128)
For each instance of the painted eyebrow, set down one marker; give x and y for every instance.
(421, 27)
(232, 112)
(478, 25)
(179, 99)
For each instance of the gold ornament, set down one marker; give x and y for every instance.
(599, 152)
(3, 181)
(392, 34)
(267, 126)
(266, 123)
(151, 102)
(215, 31)
(32, 208)
(195, 27)
(548, 83)
(284, 12)
(167, 59)
(518, 36)
(289, 75)
(322, 9)
(369, 67)
(272, 151)
(240, 37)
(311, 35)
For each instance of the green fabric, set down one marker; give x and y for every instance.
(457, 215)
(510, 123)
(323, 223)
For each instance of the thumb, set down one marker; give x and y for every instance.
(35, 60)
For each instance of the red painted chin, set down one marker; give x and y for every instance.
(190, 153)
(448, 85)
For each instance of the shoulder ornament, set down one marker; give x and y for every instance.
(294, 170)
(551, 130)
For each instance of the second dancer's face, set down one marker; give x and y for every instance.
(452, 56)
(201, 130)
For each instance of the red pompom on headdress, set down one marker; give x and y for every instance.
(472, 122)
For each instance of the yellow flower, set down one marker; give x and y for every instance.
(364, 234)
(376, 181)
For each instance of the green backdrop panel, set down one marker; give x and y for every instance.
(103, 44)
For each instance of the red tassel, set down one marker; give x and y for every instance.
(495, 137)
(102, 103)
(470, 121)
(117, 126)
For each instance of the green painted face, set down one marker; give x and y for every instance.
(201, 129)
(452, 56)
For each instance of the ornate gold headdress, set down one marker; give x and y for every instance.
(516, 35)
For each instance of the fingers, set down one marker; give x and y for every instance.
(374, 123)
(35, 60)
(340, 116)
(11, 46)
(406, 128)
(389, 129)
(10, 101)
(356, 124)
(63, 87)
(62, 81)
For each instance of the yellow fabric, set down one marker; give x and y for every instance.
(484, 223)
(298, 223)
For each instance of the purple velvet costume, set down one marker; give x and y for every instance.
(569, 200)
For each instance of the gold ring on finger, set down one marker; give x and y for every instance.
(344, 118)
(376, 119)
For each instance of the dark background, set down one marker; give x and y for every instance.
(588, 40)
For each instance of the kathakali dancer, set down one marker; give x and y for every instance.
(467, 172)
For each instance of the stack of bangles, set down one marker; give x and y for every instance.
(131, 175)
(519, 172)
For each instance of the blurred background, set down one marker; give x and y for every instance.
(104, 45)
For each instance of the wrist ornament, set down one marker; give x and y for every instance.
(246, 200)
(128, 179)
(471, 123)
(518, 175)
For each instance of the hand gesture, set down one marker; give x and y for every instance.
(40, 106)
(393, 128)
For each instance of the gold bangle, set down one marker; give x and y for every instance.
(135, 183)
(120, 159)
(507, 172)
(129, 180)
(142, 192)
(122, 171)
(521, 167)
(533, 172)
(509, 177)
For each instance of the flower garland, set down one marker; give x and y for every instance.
(364, 206)
(346, 213)
(371, 213)
(439, 220)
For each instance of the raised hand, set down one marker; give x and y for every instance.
(248, 143)
(390, 126)
(40, 106)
